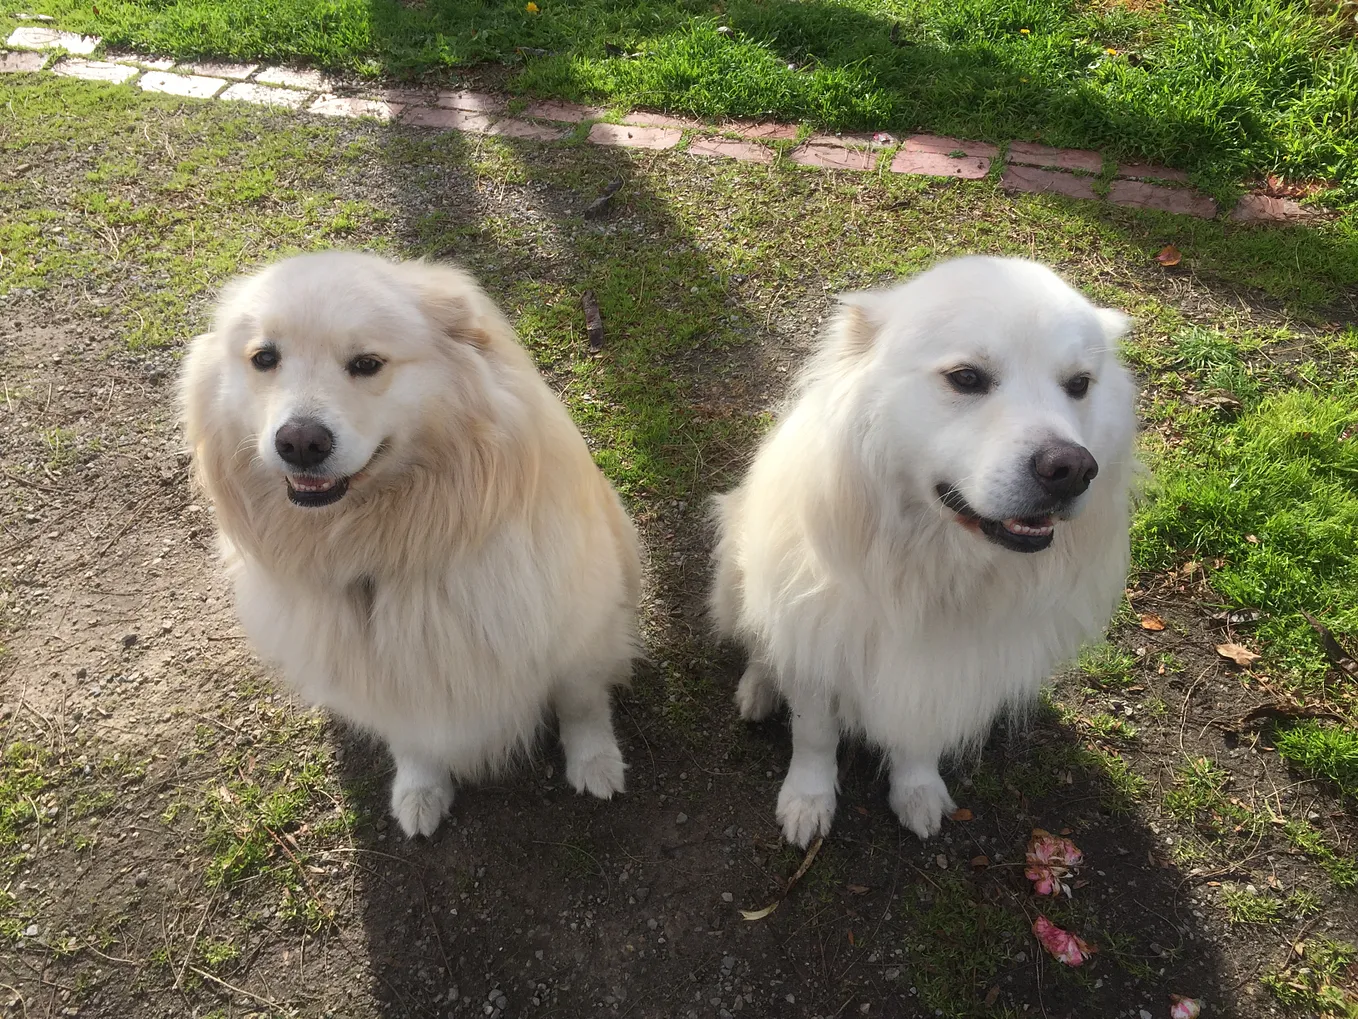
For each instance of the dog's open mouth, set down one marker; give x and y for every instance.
(1019, 534)
(308, 490)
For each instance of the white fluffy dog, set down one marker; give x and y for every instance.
(416, 531)
(922, 539)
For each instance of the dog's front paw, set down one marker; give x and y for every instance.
(756, 696)
(599, 775)
(419, 799)
(921, 802)
(805, 813)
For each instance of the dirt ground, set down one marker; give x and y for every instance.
(187, 841)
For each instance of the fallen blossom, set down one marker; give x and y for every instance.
(1051, 859)
(1184, 1008)
(1063, 946)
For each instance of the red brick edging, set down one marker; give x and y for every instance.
(1026, 167)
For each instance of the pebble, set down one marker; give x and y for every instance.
(141, 879)
(129, 639)
(681, 819)
(942, 861)
(727, 897)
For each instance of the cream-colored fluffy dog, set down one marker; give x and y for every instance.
(938, 521)
(416, 531)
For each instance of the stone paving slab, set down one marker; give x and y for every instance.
(568, 113)
(94, 70)
(1267, 209)
(194, 86)
(762, 131)
(635, 137)
(1149, 171)
(452, 120)
(21, 62)
(473, 102)
(528, 130)
(144, 60)
(263, 95)
(31, 38)
(935, 144)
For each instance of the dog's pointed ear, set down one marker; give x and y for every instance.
(863, 315)
(1115, 324)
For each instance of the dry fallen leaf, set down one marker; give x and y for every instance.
(980, 862)
(1150, 621)
(1236, 653)
(759, 914)
(857, 889)
(992, 995)
(961, 814)
(1169, 255)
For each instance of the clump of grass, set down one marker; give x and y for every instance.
(1330, 751)
(1245, 906)
(1320, 983)
(1268, 503)
(1107, 665)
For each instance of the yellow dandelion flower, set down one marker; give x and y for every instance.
(1023, 31)
(1111, 52)
(531, 7)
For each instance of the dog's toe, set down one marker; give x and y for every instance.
(600, 775)
(419, 808)
(756, 697)
(804, 815)
(921, 806)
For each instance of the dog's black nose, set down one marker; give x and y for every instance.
(1064, 469)
(304, 442)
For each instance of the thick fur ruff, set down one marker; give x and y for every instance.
(479, 568)
(858, 594)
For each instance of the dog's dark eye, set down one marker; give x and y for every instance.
(1078, 386)
(969, 380)
(265, 359)
(365, 364)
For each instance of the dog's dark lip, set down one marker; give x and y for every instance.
(998, 531)
(305, 490)
(299, 494)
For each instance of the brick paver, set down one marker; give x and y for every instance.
(635, 137)
(1043, 182)
(347, 106)
(194, 86)
(263, 95)
(474, 102)
(569, 113)
(1139, 195)
(11, 63)
(221, 69)
(747, 152)
(475, 112)
(448, 120)
(527, 130)
(308, 79)
(94, 70)
(936, 164)
(834, 157)
(1266, 209)
(1149, 171)
(1028, 154)
(30, 38)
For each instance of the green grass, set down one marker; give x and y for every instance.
(1330, 751)
(1267, 501)
(1229, 89)
(1320, 983)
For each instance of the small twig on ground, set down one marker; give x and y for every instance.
(594, 322)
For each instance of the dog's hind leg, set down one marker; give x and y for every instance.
(593, 761)
(806, 803)
(756, 696)
(919, 795)
(421, 793)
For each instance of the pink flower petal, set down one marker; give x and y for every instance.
(1184, 1008)
(1063, 946)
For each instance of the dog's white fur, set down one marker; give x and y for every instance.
(480, 568)
(862, 600)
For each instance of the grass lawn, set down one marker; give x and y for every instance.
(172, 830)
(1231, 90)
